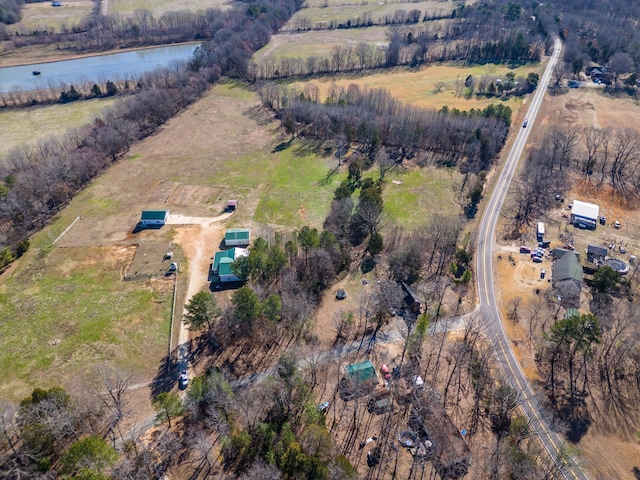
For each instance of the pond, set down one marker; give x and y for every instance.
(99, 68)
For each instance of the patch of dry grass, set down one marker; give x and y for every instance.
(43, 16)
(28, 125)
(338, 12)
(418, 87)
(157, 8)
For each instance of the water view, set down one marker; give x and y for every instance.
(92, 69)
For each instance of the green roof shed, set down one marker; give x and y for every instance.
(361, 372)
(237, 236)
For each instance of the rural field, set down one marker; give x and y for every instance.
(46, 121)
(429, 87)
(158, 7)
(43, 16)
(318, 43)
(322, 13)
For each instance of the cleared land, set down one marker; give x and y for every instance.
(430, 87)
(46, 121)
(43, 16)
(157, 8)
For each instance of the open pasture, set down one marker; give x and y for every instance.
(28, 125)
(69, 310)
(321, 12)
(127, 8)
(429, 87)
(319, 42)
(44, 16)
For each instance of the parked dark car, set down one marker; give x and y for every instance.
(526, 122)
(525, 249)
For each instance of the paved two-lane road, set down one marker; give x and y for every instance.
(486, 291)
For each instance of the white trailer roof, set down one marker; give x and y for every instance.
(585, 210)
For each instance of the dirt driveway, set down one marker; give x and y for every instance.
(199, 237)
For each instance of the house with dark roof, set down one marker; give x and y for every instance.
(223, 264)
(153, 217)
(411, 298)
(596, 254)
(448, 451)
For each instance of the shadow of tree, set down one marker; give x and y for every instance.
(577, 417)
(261, 115)
(636, 472)
(166, 376)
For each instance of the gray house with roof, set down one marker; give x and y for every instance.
(567, 279)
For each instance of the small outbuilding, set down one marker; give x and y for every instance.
(223, 261)
(584, 215)
(153, 217)
(596, 254)
(412, 299)
(362, 374)
(237, 237)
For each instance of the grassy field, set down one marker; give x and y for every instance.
(295, 194)
(418, 87)
(411, 197)
(158, 7)
(68, 310)
(27, 125)
(319, 43)
(341, 12)
(43, 16)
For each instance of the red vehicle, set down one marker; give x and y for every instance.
(385, 371)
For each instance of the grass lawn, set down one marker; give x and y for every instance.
(420, 194)
(340, 11)
(43, 16)
(27, 125)
(299, 191)
(68, 310)
(158, 7)
(319, 43)
(418, 87)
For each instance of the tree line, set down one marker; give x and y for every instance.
(372, 117)
(405, 48)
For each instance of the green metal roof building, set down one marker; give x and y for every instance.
(154, 217)
(222, 262)
(237, 237)
(361, 373)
